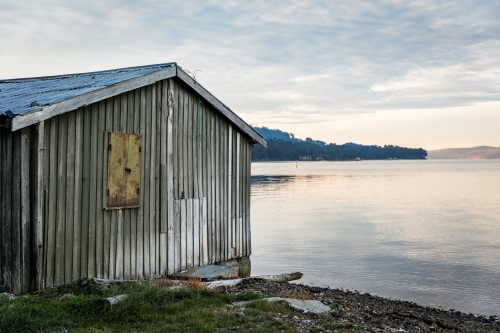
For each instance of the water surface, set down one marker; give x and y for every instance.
(426, 231)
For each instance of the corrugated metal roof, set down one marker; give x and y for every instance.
(21, 96)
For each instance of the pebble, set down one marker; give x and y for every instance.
(365, 312)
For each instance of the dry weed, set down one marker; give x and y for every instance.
(195, 283)
(165, 283)
(303, 295)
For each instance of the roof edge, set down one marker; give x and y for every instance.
(46, 112)
(221, 107)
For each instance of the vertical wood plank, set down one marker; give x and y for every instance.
(225, 219)
(69, 196)
(39, 206)
(163, 162)
(178, 158)
(101, 170)
(6, 203)
(114, 220)
(189, 232)
(95, 187)
(247, 204)
(51, 201)
(119, 247)
(126, 119)
(136, 220)
(25, 210)
(212, 198)
(147, 183)
(170, 182)
(108, 227)
(77, 197)
(194, 145)
(217, 187)
(142, 214)
(152, 183)
(61, 199)
(158, 235)
(86, 196)
(229, 186)
(185, 149)
(201, 152)
(16, 235)
(237, 194)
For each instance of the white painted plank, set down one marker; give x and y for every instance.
(189, 232)
(183, 237)
(204, 236)
(177, 235)
(196, 231)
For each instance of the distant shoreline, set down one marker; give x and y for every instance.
(474, 153)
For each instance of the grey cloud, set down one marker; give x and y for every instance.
(277, 56)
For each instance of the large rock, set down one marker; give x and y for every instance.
(306, 306)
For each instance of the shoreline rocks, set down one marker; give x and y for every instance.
(364, 312)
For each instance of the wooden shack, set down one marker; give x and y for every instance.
(131, 173)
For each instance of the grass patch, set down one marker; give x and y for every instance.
(148, 308)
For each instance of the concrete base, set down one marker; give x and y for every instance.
(244, 264)
(209, 273)
(229, 269)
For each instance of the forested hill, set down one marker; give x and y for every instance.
(283, 146)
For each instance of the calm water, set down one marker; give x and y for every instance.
(425, 231)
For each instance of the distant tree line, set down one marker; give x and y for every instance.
(282, 146)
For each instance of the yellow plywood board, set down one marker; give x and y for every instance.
(124, 173)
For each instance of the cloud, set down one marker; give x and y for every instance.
(316, 57)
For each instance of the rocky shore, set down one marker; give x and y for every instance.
(359, 312)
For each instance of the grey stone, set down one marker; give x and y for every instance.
(305, 306)
(223, 283)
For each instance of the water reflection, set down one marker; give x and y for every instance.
(422, 230)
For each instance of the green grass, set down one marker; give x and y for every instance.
(147, 309)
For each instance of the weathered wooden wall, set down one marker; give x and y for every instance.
(211, 161)
(81, 238)
(17, 183)
(210, 181)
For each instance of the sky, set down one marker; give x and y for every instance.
(414, 73)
